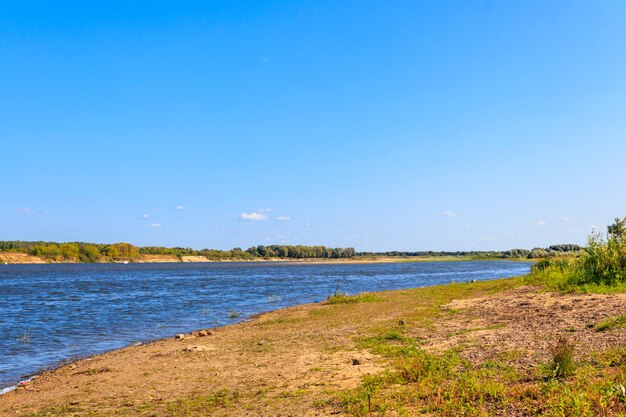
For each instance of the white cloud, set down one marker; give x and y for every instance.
(179, 207)
(255, 216)
(145, 216)
(541, 223)
(449, 213)
(155, 225)
(566, 219)
(265, 210)
(283, 218)
(27, 211)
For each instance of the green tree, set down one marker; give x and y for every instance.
(89, 253)
(617, 230)
(69, 251)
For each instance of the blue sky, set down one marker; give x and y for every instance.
(400, 125)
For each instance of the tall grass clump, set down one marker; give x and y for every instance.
(554, 273)
(600, 265)
(603, 262)
(563, 364)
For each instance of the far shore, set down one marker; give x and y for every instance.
(23, 258)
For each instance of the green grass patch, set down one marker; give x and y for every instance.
(202, 405)
(564, 275)
(611, 323)
(278, 321)
(391, 343)
(353, 299)
(60, 411)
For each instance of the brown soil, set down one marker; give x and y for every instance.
(522, 325)
(287, 362)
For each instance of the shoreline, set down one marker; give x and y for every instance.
(22, 367)
(24, 259)
(66, 362)
(194, 333)
(298, 356)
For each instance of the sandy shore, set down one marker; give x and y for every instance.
(297, 361)
(22, 258)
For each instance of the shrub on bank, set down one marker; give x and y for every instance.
(601, 263)
(604, 260)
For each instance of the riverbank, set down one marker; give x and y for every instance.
(325, 359)
(23, 258)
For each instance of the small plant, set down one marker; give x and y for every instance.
(611, 323)
(351, 299)
(234, 314)
(24, 337)
(563, 358)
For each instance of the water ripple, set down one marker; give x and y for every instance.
(54, 312)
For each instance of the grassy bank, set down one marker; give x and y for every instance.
(567, 376)
(573, 378)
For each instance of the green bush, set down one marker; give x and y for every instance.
(601, 264)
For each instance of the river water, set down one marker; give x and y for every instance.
(55, 312)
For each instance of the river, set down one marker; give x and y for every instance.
(56, 312)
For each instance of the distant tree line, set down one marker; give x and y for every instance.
(97, 252)
(299, 252)
(554, 250)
